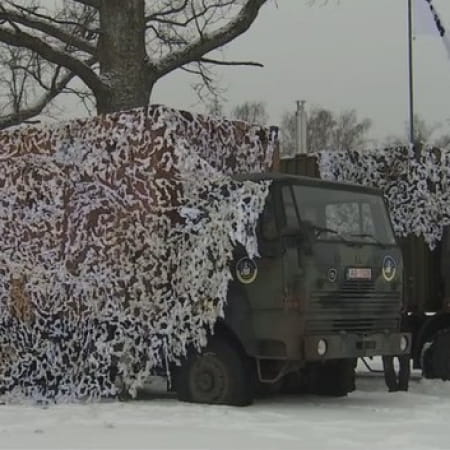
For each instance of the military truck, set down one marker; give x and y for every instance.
(326, 289)
(116, 235)
(426, 292)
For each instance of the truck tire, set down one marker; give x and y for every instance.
(440, 355)
(221, 374)
(333, 378)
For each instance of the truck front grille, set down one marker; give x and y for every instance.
(352, 310)
(360, 286)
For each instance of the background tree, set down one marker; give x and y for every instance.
(321, 130)
(252, 112)
(350, 132)
(288, 130)
(215, 107)
(326, 130)
(424, 133)
(118, 49)
(443, 141)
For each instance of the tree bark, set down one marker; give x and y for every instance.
(122, 56)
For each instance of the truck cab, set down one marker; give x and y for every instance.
(325, 290)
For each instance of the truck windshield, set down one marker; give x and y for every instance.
(338, 214)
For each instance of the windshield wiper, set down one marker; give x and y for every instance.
(319, 230)
(368, 235)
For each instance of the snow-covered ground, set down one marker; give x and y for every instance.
(369, 418)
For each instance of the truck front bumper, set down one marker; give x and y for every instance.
(346, 345)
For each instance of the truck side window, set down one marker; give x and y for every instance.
(291, 212)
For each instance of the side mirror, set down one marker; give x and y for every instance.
(302, 239)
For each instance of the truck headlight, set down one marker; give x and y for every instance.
(403, 343)
(322, 347)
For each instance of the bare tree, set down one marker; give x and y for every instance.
(424, 133)
(326, 130)
(321, 130)
(443, 142)
(118, 49)
(288, 130)
(349, 132)
(215, 107)
(252, 112)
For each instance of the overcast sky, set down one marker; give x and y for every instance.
(345, 54)
(339, 54)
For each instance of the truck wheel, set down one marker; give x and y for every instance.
(440, 355)
(219, 375)
(333, 378)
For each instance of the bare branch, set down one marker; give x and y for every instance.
(167, 39)
(230, 63)
(58, 84)
(92, 3)
(208, 42)
(207, 79)
(82, 24)
(45, 27)
(174, 23)
(58, 57)
(167, 12)
(16, 118)
(31, 72)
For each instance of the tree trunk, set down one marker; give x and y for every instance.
(121, 52)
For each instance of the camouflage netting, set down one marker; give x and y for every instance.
(115, 238)
(417, 189)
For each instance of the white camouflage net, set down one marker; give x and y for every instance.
(116, 236)
(417, 190)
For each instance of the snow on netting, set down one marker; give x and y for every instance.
(417, 189)
(115, 237)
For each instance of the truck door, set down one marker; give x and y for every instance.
(262, 279)
(256, 292)
(298, 252)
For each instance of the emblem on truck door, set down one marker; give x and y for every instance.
(332, 275)
(246, 270)
(389, 268)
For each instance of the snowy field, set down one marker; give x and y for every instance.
(369, 418)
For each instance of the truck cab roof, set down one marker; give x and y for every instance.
(306, 181)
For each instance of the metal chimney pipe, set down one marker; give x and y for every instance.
(301, 124)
